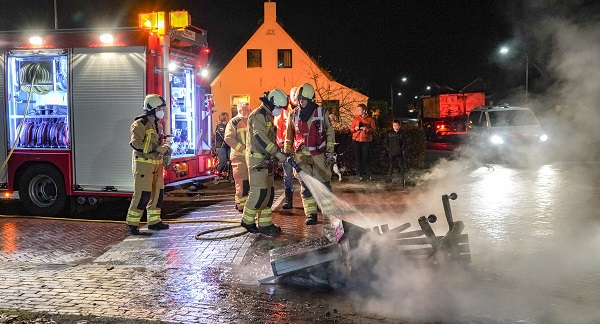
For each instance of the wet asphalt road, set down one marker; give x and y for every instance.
(534, 235)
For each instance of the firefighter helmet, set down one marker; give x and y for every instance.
(306, 91)
(153, 101)
(278, 97)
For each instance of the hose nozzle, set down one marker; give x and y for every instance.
(293, 163)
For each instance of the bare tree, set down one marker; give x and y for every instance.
(339, 99)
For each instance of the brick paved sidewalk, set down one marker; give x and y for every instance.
(98, 269)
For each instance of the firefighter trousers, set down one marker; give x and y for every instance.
(240, 176)
(149, 187)
(316, 168)
(261, 194)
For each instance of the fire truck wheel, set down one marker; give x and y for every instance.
(42, 190)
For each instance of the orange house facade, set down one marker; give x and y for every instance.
(272, 59)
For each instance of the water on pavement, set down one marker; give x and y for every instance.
(534, 234)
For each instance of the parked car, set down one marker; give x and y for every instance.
(505, 131)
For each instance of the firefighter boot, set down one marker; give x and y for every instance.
(252, 228)
(270, 230)
(158, 226)
(133, 230)
(311, 219)
(289, 198)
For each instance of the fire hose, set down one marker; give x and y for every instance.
(198, 236)
(34, 75)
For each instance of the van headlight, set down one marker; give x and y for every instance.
(543, 138)
(497, 140)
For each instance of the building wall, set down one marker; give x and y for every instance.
(236, 79)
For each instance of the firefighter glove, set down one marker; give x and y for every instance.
(280, 156)
(167, 162)
(164, 149)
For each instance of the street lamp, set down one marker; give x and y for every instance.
(504, 50)
(404, 80)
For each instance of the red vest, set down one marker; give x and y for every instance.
(281, 125)
(315, 138)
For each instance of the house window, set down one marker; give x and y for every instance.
(254, 57)
(284, 58)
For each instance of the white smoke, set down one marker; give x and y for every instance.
(514, 277)
(564, 40)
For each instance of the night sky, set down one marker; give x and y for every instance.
(364, 44)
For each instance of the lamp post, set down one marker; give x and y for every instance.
(55, 16)
(504, 50)
(526, 78)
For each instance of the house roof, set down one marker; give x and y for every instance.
(477, 85)
(279, 21)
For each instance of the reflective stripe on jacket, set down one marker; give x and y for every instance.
(146, 136)
(261, 133)
(236, 132)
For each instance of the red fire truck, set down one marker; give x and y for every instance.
(68, 98)
(446, 114)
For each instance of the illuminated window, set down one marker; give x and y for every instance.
(284, 58)
(254, 58)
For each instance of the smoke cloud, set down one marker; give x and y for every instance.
(562, 41)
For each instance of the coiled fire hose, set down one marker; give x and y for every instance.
(34, 77)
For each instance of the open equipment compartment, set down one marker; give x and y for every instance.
(37, 86)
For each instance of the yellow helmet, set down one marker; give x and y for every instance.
(153, 101)
(278, 97)
(306, 91)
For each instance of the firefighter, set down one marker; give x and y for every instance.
(312, 138)
(235, 136)
(281, 123)
(261, 149)
(150, 154)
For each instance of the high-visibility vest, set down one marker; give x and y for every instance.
(281, 122)
(315, 138)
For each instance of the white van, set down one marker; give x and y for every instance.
(504, 128)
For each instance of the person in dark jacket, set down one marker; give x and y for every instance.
(223, 150)
(394, 142)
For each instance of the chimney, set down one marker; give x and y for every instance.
(270, 11)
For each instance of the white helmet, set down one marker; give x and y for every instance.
(293, 96)
(278, 97)
(153, 101)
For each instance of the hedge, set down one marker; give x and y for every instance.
(414, 153)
